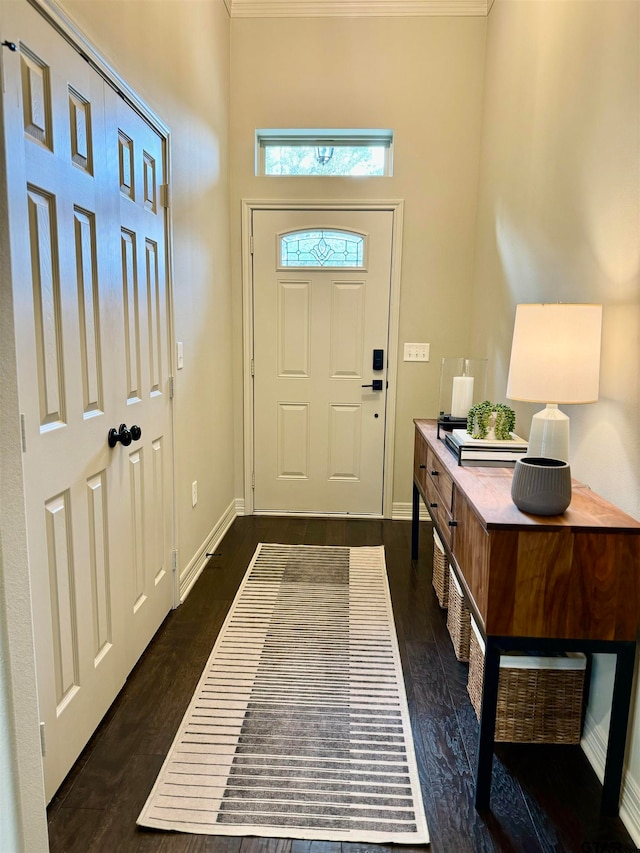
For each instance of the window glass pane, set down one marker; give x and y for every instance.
(356, 159)
(322, 248)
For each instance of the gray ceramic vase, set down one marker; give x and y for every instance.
(541, 486)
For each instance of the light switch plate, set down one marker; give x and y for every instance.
(416, 352)
(179, 355)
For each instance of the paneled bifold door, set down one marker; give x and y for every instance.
(88, 257)
(321, 292)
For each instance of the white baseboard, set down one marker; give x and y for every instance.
(239, 502)
(594, 746)
(192, 572)
(403, 511)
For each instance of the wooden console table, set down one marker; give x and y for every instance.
(535, 583)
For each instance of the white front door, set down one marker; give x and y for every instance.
(87, 245)
(321, 292)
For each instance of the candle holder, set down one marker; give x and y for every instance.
(462, 384)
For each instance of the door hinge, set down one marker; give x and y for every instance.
(43, 744)
(253, 367)
(253, 479)
(165, 195)
(23, 434)
(171, 389)
(174, 560)
(251, 244)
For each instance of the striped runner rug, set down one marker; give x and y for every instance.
(299, 726)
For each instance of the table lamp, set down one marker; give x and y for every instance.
(555, 358)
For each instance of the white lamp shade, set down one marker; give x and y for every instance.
(555, 353)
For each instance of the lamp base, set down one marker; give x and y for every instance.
(549, 436)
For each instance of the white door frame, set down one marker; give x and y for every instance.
(248, 207)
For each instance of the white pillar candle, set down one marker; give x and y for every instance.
(462, 398)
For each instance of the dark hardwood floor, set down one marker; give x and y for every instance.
(544, 798)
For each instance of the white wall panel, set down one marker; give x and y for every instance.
(347, 328)
(293, 440)
(345, 442)
(136, 486)
(81, 143)
(63, 596)
(125, 165)
(158, 493)
(294, 317)
(99, 557)
(88, 311)
(154, 315)
(131, 314)
(46, 296)
(150, 191)
(36, 98)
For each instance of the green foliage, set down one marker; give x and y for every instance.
(479, 417)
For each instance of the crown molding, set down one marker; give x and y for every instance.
(355, 8)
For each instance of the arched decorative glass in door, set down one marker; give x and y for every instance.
(321, 248)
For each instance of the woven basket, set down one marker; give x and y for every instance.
(458, 619)
(539, 698)
(440, 572)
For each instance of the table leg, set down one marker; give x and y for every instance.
(415, 523)
(484, 764)
(620, 702)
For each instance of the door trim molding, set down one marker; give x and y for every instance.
(396, 207)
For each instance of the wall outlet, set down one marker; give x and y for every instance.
(416, 352)
(194, 493)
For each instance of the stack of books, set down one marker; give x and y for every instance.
(486, 452)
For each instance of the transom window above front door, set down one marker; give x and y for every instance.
(324, 152)
(321, 248)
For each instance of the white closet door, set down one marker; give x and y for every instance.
(98, 517)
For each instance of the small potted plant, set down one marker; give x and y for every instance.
(493, 421)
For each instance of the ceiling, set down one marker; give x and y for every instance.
(354, 8)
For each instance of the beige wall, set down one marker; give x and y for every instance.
(175, 55)
(423, 78)
(559, 220)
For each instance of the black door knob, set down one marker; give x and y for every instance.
(122, 435)
(136, 432)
